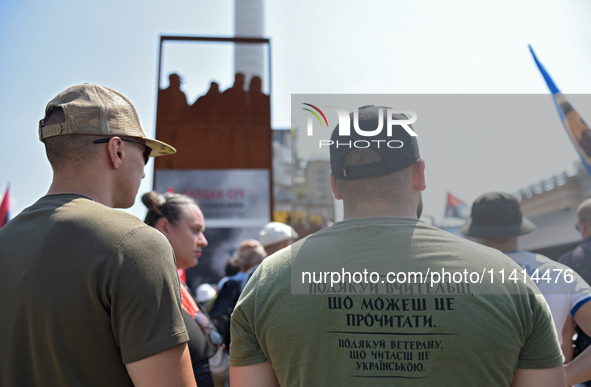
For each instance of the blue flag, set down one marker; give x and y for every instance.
(577, 129)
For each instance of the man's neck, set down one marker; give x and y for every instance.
(68, 185)
(378, 211)
(509, 245)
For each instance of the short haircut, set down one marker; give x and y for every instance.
(584, 211)
(70, 150)
(393, 186)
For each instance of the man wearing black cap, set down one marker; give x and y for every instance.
(90, 294)
(497, 221)
(371, 300)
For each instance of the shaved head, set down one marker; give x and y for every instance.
(72, 150)
(392, 187)
(584, 211)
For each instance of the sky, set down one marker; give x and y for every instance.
(328, 47)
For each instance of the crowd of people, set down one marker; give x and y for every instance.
(92, 295)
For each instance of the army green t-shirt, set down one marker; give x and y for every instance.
(85, 289)
(474, 326)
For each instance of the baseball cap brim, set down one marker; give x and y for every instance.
(159, 148)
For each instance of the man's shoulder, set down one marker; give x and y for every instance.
(580, 254)
(108, 221)
(368, 241)
(535, 261)
(380, 233)
(566, 257)
(419, 237)
(549, 262)
(89, 218)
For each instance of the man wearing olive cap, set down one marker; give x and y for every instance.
(90, 294)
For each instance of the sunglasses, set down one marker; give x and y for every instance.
(147, 150)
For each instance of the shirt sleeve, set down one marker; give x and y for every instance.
(580, 292)
(245, 349)
(541, 348)
(144, 292)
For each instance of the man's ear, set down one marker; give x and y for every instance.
(335, 187)
(114, 147)
(418, 175)
(584, 228)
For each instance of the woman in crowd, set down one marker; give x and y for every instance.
(179, 218)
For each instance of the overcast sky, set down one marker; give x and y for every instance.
(384, 47)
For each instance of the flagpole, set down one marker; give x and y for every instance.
(575, 126)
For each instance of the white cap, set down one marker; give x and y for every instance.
(276, 232)
(205, 292)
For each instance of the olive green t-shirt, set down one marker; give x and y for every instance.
(459, 331)
(85, 289)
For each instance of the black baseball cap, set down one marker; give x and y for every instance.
(398, 151)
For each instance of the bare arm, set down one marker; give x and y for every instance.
(579, 370)
(550, 377)
(258, 375)
(583, 317)
(170, 368)
(567, 339)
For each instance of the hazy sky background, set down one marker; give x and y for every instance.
(402, 47)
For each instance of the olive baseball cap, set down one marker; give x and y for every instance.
(496, 215)
(403, 153)
(96, 110)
